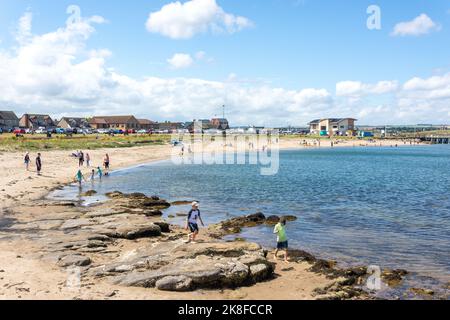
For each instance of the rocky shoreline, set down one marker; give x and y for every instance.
(125, 242)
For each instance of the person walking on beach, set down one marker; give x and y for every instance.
(79, 177)
(88, 160)
(192, 222)
(38, 164)
(282, 240)
(92, 175)
(27, 161)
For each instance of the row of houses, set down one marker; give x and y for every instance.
(9, 120)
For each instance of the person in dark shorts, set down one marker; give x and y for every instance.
(106, 162)
(38, 164)
(282, 240)
(192, 222)
(81, 159)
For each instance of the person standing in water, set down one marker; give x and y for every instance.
(27, 161)
(282, 240)
(79, 177)
(192, 222)
(99, 172)
(38, 164)
(92, 175)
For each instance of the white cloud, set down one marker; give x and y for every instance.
(24, 27)
(357, 89)
(178, 20)
(180, 61)
(437, 87)
(57, 73)
(419, 26)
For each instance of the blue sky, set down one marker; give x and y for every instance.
(288, 45)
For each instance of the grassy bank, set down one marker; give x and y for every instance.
(9, 142)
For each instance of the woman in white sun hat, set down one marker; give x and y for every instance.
(192, 222)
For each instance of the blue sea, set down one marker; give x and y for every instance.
(360, 206)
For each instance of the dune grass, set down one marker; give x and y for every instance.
(9, 142)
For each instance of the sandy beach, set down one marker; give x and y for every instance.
(25, 273)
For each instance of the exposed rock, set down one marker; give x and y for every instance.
(172, 266)
(422, 291)
(74, 260)
(164, 226)
(138, 201)
(114, 195)
(290, 218)
(132, 232)
(273, 220)
(260, 272)
(76, 223)
(179, 283)
(235, 225)
(393, 277)
(323, 266)
(89, 193)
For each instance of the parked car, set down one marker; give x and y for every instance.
(60, 131)
(41, 130)
(103, 131)
(19, 131)
(143, 131)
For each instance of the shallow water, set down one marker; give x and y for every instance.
(383, 206)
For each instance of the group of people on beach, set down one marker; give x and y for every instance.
(79, 177)
(38, 162)
(194, 217)
(82, 158)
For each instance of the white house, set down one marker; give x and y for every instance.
(333, 126)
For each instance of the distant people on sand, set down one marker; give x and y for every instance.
(282, 240)
(192, 222)
(38, 164)
(27, 161)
